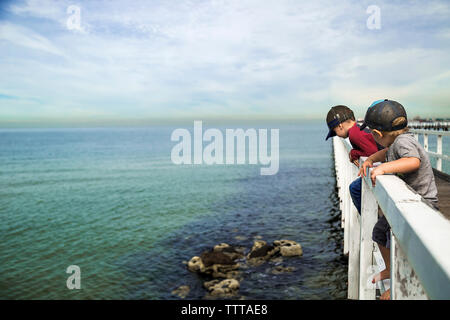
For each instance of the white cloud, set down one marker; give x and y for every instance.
(48, 9)
(25, 37)
(221, 57)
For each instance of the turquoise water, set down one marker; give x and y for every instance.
(111, 201)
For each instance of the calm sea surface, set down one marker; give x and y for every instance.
(111, 201)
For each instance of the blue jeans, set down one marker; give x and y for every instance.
(355, 192)
(381, 231)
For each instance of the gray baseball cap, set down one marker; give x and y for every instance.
(382, 113)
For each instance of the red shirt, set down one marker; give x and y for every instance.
(362, 142)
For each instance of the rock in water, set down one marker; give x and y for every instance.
(196, 265)
(229, 251)
(221, 262)
(260, 253)
(261, 249)
(221, 246)
(223, 289)
(288, 248)
(181, 291)
(217, 264)
(213, 257)
(258, 244)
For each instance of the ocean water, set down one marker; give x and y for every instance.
(110, 201)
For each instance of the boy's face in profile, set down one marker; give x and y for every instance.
(340, 131)
(381, 139)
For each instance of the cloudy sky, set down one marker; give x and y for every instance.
(128, 60)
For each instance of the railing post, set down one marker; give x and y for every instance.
(438, 154)
(404, 282)
(369, 216)
(439, 151)
(353, 256)
(338, 149)
(347, 204)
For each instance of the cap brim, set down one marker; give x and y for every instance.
(331, 133)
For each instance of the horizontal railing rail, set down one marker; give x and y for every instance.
(420, 236)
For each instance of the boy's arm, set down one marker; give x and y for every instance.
(402, 165)
(355, 154)
(363, 142)
(379, 156)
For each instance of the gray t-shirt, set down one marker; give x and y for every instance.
(421, 180)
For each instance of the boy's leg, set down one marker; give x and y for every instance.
(381, 235)
(386, 253)
(386, 295)
(386, 273)
(355, 192)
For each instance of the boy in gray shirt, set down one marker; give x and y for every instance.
(403, 156)
(422, 179)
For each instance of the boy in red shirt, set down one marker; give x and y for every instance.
(341, 122)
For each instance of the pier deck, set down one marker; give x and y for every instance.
(443, 186)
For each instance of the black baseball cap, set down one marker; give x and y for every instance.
(382, 113)
(337, 115)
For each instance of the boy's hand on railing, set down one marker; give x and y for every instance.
(376, 172)
(367, 164)
(354, 161)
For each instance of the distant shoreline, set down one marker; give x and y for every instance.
(162, 123)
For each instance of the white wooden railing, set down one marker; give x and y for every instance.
(438, 154)
(420, 236)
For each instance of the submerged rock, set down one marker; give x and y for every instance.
(231, 274)
(181, 291)
(223, 289)
(279, 270)
(277, 260)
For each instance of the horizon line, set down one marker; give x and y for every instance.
(127, 122)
